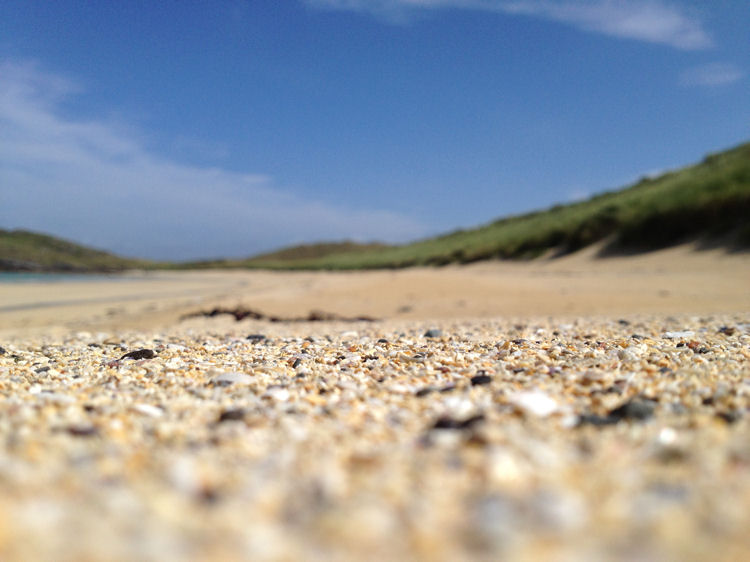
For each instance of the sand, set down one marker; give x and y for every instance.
(571, 409)
(678, 280)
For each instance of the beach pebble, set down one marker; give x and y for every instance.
(678, 335)
(82, 430)
(447, 422)
(277, 393)
(424, 391)
(635, 409)
(148, 410)
(139, 354)
(433, 333)
(56, 397)
(478, 380)
(458, 406)
(534, 402)
(232, 414)
(730, 417)
(225, 379)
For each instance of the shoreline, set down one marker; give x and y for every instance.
(674, 281)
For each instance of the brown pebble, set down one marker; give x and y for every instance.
(447, 422)
(235, 414)
(82, 430)
(139, 354)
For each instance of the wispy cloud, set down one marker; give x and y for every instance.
(654, 21)
(644, 20)
(712, 75)
(96, 182)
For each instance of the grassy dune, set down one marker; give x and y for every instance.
(709, 201)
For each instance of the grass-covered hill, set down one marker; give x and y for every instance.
(708, 202)
(21, 250)
(286, 257)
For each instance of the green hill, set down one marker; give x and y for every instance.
(709, 201)
(286, 257)
(21, 250)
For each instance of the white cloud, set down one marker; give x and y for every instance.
(645, 20)
(712, 74)
(653, 21)
(95, 182)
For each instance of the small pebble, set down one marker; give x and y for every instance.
(139, 354)
(730, 416)
(635, 409)
(233, 414)
(478, 380)
(225, 379)
(447, 422)
(277, 393)
(148, 410)
(677, 335)
(535, 402)
(82, 430)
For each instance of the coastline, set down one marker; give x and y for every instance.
(674, 281)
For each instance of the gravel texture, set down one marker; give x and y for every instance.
(599, 439)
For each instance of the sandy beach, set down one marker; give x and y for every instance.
(568, 409)
(674, 281)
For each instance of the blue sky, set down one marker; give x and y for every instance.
(187, 130)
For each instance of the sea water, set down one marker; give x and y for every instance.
(27, 277)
